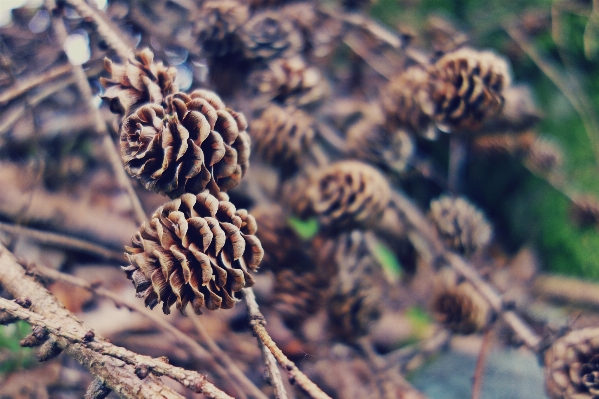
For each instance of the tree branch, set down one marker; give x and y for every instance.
(29, 82)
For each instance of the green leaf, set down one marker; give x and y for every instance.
(306, 229)
(388, 261)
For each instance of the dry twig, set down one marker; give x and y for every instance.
(28, 83)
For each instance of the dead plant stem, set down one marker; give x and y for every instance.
(27, 83)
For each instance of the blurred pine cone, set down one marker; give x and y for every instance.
(370, 141)
(141, 80)
(298, 295)
(218, 24)
(196, 249)
(466, 88)
(348, 194)
(572, 366)
(402, 100)
(290, 81)
(196, 143)
(544, 156)
(458, 305)
(283, 135)
(268, 35)
(463, 227)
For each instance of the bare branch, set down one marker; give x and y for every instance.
(28, 83)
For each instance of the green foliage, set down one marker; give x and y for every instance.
(306, 229)
(14, 357)
(388, 261)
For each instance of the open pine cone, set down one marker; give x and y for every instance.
(290, 81)
(402, 99)
(298, 295)
(141, 80)
(572, 366)
(466, 89)
(218, 25)
(462, 226)
(348, 193)
(268, 35)
(283, 135)
(196, 249)
(196, 143)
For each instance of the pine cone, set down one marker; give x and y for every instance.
(290, 81)
(458, 305)
(298, 295)
(463, 227)
(195, 249)
(348, 193)
(370, 141)
(572, 366)
(217, 27)
(194, 144)
(268, 35)
(544, 156)
(283, 135)
(141, 80)
(402, 100)
(466, 88)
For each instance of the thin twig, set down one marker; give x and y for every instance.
(225, 360)
(191, 379)
(27, 83)
(59, 240)
(257, 322)
(109, 32)
(433, 250)
(567, 289)
(477, 379)
(100, 125)
(199, 353)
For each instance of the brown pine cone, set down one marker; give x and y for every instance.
(466, 89)
(290, 81)
(572, 366)
(402, 100)
(268, 35)
(544, 156)
(298, 295)
(283, 135)
(370, 141)
(195, 249)
(348, 193)
(194, 144)
(458, 305)
(218, 24)
(141, 80)
(463, 227)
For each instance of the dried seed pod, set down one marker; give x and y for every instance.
(140, 81)
(297, 295)
(218, 24)
(465, 89)
(283, 135)
(463, 227)
(195, 143)
(401, 101)
(544, 156)
(354, 300)
(370, 141)
(195, 249)
(572, 366)
(282, 246)
(268, 35)
(348, 193)
(290, 81)
(461, 308)
(584, 210)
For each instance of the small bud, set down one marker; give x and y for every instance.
(48, 350)
(23, 302)
(37, 337)
(97, 390)
(89, 336)
(164, 359)
(142, 371)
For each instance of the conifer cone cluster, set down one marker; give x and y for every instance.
(193, 144)
(267, 36)
(572, 366)
(217, 28)
(463, 227)
(195, 249)
(282, 135)
(141, 80)
(371, 142)
(290, 81)
(348, 193)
